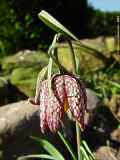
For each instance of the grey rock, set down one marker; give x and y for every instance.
(93, 103)
(106, 153)
(115, 135)
(16, 117)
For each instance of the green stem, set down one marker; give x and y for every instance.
(78, 137)
(56, 60)
(72, 56)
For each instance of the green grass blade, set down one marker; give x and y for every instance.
(49, 148)
(39, 156)
(87, 149)
(54, 24)
(114, 83)
(67, 145)
(84, 153)
(53, 45)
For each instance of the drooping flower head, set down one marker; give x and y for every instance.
(71, 92)
(67, 92)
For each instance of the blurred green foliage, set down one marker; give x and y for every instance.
(20, 27)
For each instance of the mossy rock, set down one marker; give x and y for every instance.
(24, 69)
(88, 62)
(106, 45)
(25, 58)
(25, 79)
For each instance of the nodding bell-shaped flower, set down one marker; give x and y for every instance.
(67, 92)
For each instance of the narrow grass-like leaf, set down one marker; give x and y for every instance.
(54, 24)
(39, 156)
(49, 148)
(114, 84)
(67, 145)
(41, 77)
(77, 65)
(53, 45)
(87, 149)
(73, 57)
(84, 153)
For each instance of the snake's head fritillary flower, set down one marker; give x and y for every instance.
(71, 92)
(67, 92)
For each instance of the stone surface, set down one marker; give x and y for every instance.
(93, 103)
(23, 68)
(106, 153)
(86, 60)
(18, 121)
(25, 58)
(15, 117)
(90, 56)
(25, 79)
(115, 135)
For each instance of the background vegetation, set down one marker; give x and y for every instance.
(20, 27)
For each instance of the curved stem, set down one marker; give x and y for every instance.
(72, 56)
(78, 137)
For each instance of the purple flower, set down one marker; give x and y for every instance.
(67, 92)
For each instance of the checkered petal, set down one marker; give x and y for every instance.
(78, 102)
(51, 112)
(54, 114)
(73, 91)
(43, 106)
